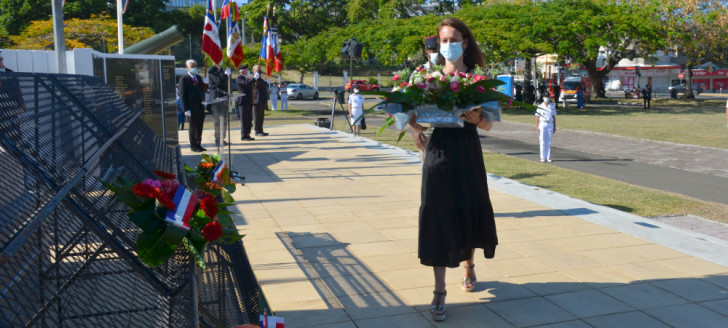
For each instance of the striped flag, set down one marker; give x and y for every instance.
(235, 43)
(211, 36)
(228, 10)
(218, 171)
(186, 203)
(270, 48)
(124, 5)
(271, 322)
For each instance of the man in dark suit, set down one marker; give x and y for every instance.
(191, 93)
(245, 102)
(260, 101)
(217, 87)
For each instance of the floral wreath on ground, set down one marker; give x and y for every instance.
(169, 214)
(441, 98)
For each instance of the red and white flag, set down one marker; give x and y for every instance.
(235, 43)
(211, 36)
(185, 202)
(270, 48)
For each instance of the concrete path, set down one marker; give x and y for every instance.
(331, 232)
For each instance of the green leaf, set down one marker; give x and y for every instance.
(401, 135)
(145, 218)
(215, 158)
(155, 247)
(197, 250)
(122, 188)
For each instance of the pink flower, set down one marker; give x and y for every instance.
(170, 187)
(510, 101)
(152, 183)
(477, 78)
(421, 85)
(451, 74)
(404, 84)
(443, 78)
(470, 75)
(396, 78)
(461, 74)
(481, 89)
(432, 79)
(454, 85)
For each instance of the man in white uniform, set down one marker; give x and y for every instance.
(546, 127)
(356, 109)
(274, 95)
(284, 97)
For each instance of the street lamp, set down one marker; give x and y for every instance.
(244, 19)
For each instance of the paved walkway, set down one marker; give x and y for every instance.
(331, 231)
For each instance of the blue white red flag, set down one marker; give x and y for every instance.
(185, 201)
(270, 322)
(270, 48)
(218, 171)
(211, 36)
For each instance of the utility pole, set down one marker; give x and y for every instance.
(59, 38)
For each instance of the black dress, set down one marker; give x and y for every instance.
(455, 214)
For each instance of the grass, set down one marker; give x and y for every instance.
(693, 122)
(595, 189)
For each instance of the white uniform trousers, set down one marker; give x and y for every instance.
(274, 100)
(544, 138)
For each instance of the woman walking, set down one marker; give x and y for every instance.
(456, 215)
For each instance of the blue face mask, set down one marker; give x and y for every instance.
(433, 58)
(451, 51)
(193, 70)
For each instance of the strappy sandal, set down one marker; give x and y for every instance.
(438, 309)
(469, 281)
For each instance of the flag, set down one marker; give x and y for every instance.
(218, 171)
(211, 36)
(229, 9)
(270, 48)
(186, 203)
(234, 42)
(124, 5)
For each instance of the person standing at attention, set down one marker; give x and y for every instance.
(217, 87)
(274, 95)
(284, 96)
(579, 98)
(546, 127)
(356, 109)
(191, 92)
(647, 96)
(260, 100)
(557, 93)
(456, 215)
(433, 56)
(245, 103)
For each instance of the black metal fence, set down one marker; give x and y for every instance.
(67, 249)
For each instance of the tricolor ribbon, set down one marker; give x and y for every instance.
(218, 171)
(185, 201)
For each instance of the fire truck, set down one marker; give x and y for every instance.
(568, 89)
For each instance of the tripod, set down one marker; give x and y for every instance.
(339, 98)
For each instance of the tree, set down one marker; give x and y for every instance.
(579, 29)
(696, 30)
(362, 10)
(143, 12)
(85, 8)
(97, 32)
(15, 14)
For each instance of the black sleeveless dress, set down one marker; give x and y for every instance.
(455, 214)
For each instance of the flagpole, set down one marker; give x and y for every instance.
(120, 23)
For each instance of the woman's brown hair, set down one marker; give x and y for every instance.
(472, 54)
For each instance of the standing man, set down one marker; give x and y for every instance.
(284, 96)
(191, 92)
(557, 93)
(356, 109)
(546, 127)
(216, 88)
(647, 96)
(260, 100)
(274, 95)
(245, 102)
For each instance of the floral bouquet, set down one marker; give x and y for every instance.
(440, 99)
(171, 215)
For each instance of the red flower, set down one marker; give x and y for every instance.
(201, 194)
(212, 231)
(206, 165)
(165, 200)
(170, 187)
(165, 175)
(144, 190)
(209, 206)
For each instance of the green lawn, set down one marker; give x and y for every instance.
(701, 122)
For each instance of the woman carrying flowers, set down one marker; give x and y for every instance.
(456, 215)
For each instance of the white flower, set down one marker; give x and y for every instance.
(418, 79)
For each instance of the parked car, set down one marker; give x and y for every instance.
(362, 85)
(300, 91)
(681, 88)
